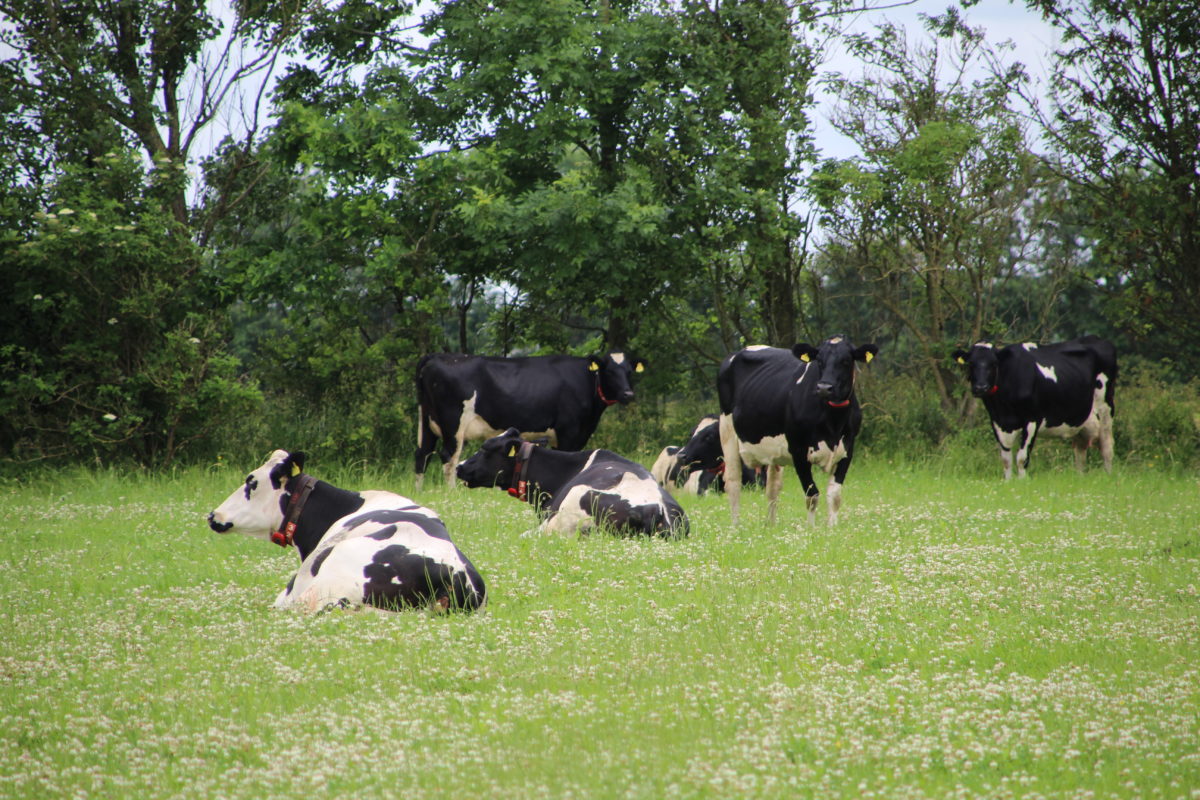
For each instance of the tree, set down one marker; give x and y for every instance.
(934, 215)
(1125, 125)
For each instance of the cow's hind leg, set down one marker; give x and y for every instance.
(1104, 412)
(731, 452)
(774, 485)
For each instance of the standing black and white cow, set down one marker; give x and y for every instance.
(1063, 390)
(798, 407)
(573, 492)
(556, 398)
(372, 548)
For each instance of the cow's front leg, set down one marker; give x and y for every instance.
(811, 493)
(833, 492)
(732, 455)
(1031, 430)
(1007, 440)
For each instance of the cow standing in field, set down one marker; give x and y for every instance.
(1063, 390)
(556, 398)
(798, 407)
(573, 492)
(372, 548)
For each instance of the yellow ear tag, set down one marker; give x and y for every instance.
(870, 355)
(961, 360)
(513, 452)
(640, 367)
(295, 470)
(593, 366)
(805, 358)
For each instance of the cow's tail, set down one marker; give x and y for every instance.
(426, 438)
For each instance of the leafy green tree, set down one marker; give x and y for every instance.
(1125, 125)
(105, 346)
(933, 217)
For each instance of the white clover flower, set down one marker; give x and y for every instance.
(194, 340)
(109, 418)
(112, 320)
(37, 297)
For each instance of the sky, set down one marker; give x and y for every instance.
(1002, 20)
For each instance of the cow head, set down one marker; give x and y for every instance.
(983, 368)
(614, 376)
(702, 451)
(493, 463)
(834, 360)
(256, 508)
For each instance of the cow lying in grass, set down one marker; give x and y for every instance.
(576, 491)
(356, 549)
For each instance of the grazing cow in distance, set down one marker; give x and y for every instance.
(556, 398)
(1063, 390)
(372, 548)
(798, 407)
(576, 491)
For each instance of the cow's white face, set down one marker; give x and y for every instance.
(256, 507)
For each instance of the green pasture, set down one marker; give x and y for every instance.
(954, 636)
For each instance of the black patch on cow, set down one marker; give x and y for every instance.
(399, 578)
(383, 533)
(291, 582)
(616, 514)
(251, 485)
(319, 560)
(394, 516)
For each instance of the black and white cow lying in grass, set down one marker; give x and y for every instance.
(372, 548)
(576, 491)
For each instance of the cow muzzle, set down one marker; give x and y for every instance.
(219, 527)
(986, 390)
(625, 398)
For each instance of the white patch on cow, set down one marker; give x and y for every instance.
(770, 451)
(755, 347)
(591, 460)
(1029, 346)
(1047, 372)
(825, 457)
(836, 340)
(692, 484)
(662, 465)
(807, 365)
(733, 465)
(420, 428)
(707, 422)
(618, 358)
(572, 518)
(988, 345)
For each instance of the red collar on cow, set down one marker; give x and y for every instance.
(520, 486)
(993, 390)
(600, 393)
(842, 404)
(719, 469)
(301, 489)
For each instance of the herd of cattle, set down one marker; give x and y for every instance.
(778, 407)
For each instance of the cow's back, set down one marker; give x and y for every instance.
(752, 387)
(618, 493)
(523, 393)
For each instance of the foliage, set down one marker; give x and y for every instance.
(1125, 125)
(934, 218)
(106, 349)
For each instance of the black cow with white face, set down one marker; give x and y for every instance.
(1063, 390)
(573, 492)
(798, 407)
(372, 548)
(558, 399)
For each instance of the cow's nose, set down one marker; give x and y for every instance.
(979, 389)
(219, 527)
(824, 389)
(627, 397)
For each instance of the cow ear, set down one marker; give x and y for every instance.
(297, 460)
(593, 364)
(866, 352)
(803, 351)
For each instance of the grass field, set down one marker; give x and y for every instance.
(952, 637)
